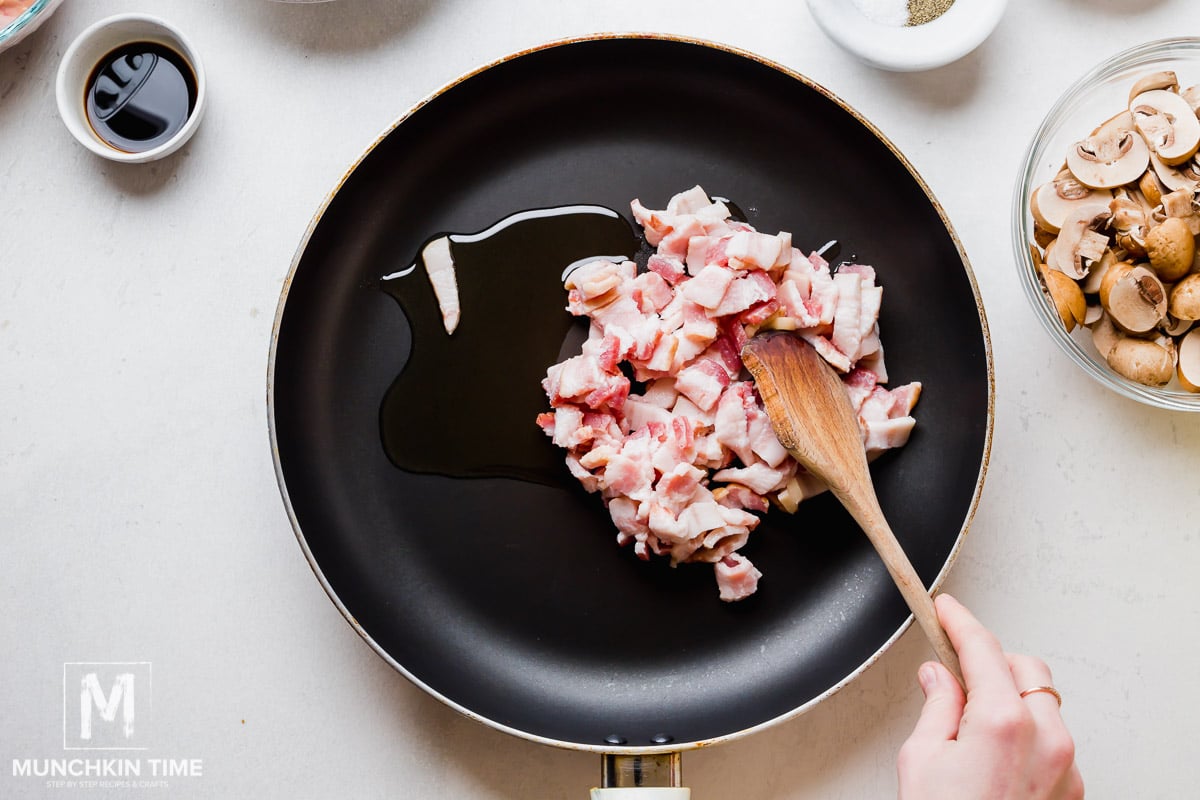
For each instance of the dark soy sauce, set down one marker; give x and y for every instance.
(139, 96)
(464, 405)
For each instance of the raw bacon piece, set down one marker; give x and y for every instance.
(737, 578)
(753, 250)
(688, 202)
(847, 322)
(630, 472)
(677, 488)
(669, 267)
(439, 267)
(589, 481)
(709, 286)
(732, 428)
(675, 243)
(836, 358)
(755, 287)
(736, 496)
(655, 224)
(758, 477)
(702, 383)
(624, 513)
(653, 292)
(888, 434)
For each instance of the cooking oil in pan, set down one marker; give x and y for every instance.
(465, 405)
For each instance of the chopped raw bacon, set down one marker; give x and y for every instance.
(671, 269)
(755, 287)
(702, 383)
(757, 477)
(737, 578)
(709, 286)
(752, 250)
(735, 496)
(686, 460)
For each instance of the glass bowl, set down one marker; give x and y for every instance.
(1094, 98)
(26, 22)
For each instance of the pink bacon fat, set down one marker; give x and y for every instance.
(687, 464)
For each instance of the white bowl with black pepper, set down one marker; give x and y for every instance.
(907, 35)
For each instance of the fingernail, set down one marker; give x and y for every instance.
(927, 676)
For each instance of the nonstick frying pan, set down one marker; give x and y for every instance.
(497, 586)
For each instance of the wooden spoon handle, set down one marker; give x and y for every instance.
(921, 605)
(869, 516)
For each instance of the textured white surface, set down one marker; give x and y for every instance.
(139, 517)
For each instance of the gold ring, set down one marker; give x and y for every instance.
(1047, 690)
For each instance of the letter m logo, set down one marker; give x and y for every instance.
(105, 705)
(92, 695)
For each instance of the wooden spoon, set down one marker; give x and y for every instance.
(812, 416)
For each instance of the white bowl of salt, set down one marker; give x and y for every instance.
(907, 35)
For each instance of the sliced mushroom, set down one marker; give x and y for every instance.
(1066, 296)
(1167, 123)
(1092, 314)
(1184, 302)
(1181, 176)
(1095, 276)
(1167, 343)
(1179, 204)
(1054, 200)
(1192, 96)
(1130, 222)
(1189, 361)
(1048, 253)
(1105, 336)
(1137, 301)
(1175, 327)
(1142, 361)
(1171, 248)
(1112, 156)
(1166, 79)
(1079, 245)
(1152, 187)
(1111, 275)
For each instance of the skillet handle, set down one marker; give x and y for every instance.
(643, 776)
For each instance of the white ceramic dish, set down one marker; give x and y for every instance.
(27, 23)
(958, 31)
(85, 53)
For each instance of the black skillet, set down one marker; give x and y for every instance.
(492, 581)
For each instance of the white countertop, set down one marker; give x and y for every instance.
(139, 515)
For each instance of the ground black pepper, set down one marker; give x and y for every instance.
(922, 11)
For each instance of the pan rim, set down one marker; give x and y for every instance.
(581, 746)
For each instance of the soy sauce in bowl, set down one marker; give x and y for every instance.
(139, 96)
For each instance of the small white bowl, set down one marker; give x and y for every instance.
(958, 31)
(27, 22)
(85, 54)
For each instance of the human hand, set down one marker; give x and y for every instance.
(991, 744)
